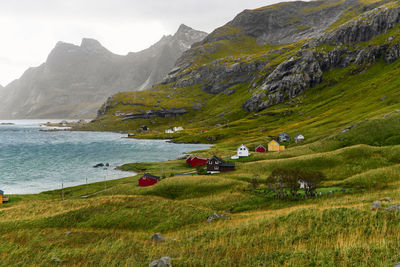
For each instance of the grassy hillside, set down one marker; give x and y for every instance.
(351, 124)
(114, 227)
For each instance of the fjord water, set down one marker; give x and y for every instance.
(32, 161)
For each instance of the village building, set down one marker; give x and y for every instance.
(3, 199)
(177, 129)
(217, 165)
(284, 137)
(275, 146)
(196, 161)
(168, 131)
(148, 180)
(299, 138)
(242, 151)
(261, 149)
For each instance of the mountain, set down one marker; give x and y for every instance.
(75, 80)
(239, 81)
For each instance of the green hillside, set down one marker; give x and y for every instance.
(343, 97)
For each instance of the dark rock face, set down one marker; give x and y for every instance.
(75, 80)
(305, 70)
(367, 26)
(286, 22)
(163, 113)
(217, 77)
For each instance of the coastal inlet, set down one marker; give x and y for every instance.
(32, 161)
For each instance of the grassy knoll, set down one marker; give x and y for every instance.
(114, 226)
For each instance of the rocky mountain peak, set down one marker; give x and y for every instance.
(92, 45)
(76, 79)
(183, 29)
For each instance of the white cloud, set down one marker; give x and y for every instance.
(30, 29)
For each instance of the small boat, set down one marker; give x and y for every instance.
(131, 135)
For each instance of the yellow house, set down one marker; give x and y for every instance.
(1, 197)
(274, 146)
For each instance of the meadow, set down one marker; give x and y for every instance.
(113, 226)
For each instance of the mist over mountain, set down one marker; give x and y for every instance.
(75, 80)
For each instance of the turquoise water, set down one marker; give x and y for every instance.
(33, 161)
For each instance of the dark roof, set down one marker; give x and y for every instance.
(285, 134)
(1, 192)
(151, 176)
(228, 164)
(217, 158)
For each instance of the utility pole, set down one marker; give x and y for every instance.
(86, 187)
(62, 189)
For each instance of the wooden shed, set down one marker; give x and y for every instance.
(216, 165)
(275, 146)
(3, 199)
(299, 138)
(261, 149)
(284, 137)
(197, 161)
(148, 180)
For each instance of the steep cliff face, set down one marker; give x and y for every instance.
(305, 69)
(75, 80)
(291, 46)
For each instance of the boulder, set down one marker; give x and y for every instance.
(98, 165)
(376, 205)
(55, 259)
(163, 262)
(157, 237)
(217, 216)
(395, 207)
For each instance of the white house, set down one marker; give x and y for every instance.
(299, 138)
(177, 129)
(168, 131)
(303, 184)
(242, 151)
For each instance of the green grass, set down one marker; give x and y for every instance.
(113, 225)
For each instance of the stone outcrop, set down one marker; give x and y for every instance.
(305, 70)
(216, 77)
(162, 113)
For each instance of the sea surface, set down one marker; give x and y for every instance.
(32, 161)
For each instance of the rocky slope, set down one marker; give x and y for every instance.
(75, 80)
(293, 76)
(236, 82)
(293, 44)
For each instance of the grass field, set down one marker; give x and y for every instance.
(351, 122)
(114, 226)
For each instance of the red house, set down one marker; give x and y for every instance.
(261, 149)
(188, 160)
(196, 161)
(148, 180)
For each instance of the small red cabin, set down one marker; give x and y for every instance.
(261, 149)
(148, 180)
(196, 161)
(188, 160)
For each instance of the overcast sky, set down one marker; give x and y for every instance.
(30, 29)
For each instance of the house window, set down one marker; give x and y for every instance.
(216, 168)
